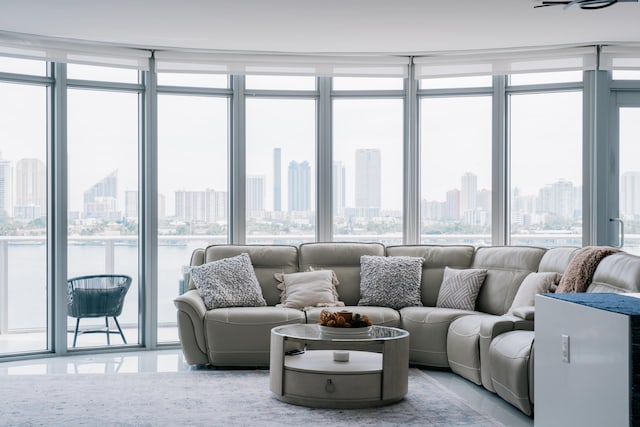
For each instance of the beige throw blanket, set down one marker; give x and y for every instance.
(579, 272)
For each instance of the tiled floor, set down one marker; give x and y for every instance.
(171, 360)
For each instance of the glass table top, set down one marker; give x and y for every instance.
(315, 332)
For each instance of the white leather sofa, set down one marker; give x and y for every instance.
(460, 340)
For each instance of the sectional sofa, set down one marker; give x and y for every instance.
(490, 344)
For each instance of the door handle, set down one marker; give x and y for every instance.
(621, 222)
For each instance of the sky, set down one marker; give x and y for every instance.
(546, 133)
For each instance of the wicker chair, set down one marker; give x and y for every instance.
(99, 295)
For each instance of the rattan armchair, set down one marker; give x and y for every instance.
(99, 295)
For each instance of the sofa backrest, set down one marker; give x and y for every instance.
(556, 260)
(619, 272)
(344, 259)
(436, 258)
(267, 260)
(507, 266)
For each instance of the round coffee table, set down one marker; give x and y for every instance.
(303, 370)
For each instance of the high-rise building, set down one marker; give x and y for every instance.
(560, 199)
(277, 179)
(468, 192)
(368, 180)
(131, 204)
(339, 187)
(299, 192)
(255, 194)
(630, 194)
(31, 180)
(101, 200)
(201, 206)
(5, 187)
(452, 205)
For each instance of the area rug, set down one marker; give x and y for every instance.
(208, 398)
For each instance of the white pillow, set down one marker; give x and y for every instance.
(308, 289)
(460, 288)
(533, 284)
(229, 282)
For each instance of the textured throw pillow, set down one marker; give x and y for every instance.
(390, 281)
(460, 288)
(308, 289)
(229, 282)
(533, 284)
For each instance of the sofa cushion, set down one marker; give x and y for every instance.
(229, 282)
(533, 284)
(308, 289)
(390, 281)
(460, 288)
(507, 266)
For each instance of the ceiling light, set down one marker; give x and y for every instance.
(584, 4)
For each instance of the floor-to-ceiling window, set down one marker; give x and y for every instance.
(279, 125)
(545, 134)
(103, 214)
(23, 207)
(455, 160)
(367, 163)
(193, 188)
(280, 167)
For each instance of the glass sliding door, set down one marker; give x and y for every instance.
(103, 201)
(23, 213)
(624, 227)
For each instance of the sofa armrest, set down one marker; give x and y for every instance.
(191, 312)
(490, 328)
(525, 313)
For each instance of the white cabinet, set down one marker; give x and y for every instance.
(584, 360)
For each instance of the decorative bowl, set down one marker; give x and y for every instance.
(338, 332)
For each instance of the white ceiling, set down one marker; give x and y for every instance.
(321, 26)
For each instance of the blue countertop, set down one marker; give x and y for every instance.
(617, 303)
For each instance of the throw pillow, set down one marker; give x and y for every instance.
(460, 288)
(533, 284)
(229, 282)
(308, 289)
(390, 281)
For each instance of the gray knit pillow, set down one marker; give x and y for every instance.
(390, 281)
(229, 282)
(460, 288)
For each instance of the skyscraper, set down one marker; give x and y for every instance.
(299, 186)
(201, 206)
(338, 184)
(468, 192)
(452, 205)
(131, 204)
(277, 179)
(101, 200)
(368, 181)
(30, 189)
(5, 187)
(255, 193)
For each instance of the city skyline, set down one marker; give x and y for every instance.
(561, 198)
